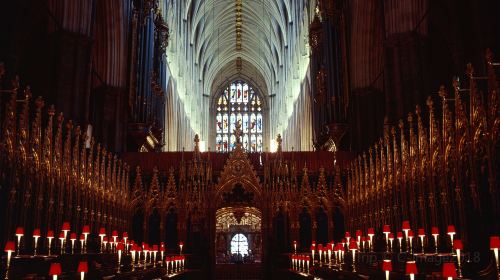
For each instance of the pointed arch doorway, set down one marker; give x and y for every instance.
(239, 220)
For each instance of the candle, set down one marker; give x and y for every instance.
(114, 234)
(72, 237)
(411, 269)
(386, 230)
(55, 270)
(83, 268)
(387, 267)
(449, 271)
(119, 248)
(36, 235)
(61, 239)
(162, 251)
(400, 238)
(494, 246)
(9, 248)
(421, 235)
(82, 243)
(371, 233)
(435, 234)
(102, 234)
(451, 232)
(50, 236)
(353, 246)
(19, 235)
(406, 228)
(85, 232)
(458, 246)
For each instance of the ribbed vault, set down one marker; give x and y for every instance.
(203, 53)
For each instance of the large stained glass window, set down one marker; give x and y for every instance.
(239, 103)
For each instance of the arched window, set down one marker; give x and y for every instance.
(239, 103)
(239, 245)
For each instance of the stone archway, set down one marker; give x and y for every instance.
(238, 195)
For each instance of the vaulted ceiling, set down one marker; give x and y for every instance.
(205, 46)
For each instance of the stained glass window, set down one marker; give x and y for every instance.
(239, 103)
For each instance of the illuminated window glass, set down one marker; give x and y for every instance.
(239, 244)
(238, 102)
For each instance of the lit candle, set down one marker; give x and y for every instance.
(353, 246)
(458, 246)
(72, 237)
(347, 237)
(295, 246)
(19, 235)
(119, 248)
(65, 229)
(320, 252)
(411, 269)
(421, 235)
(82, 243)
(400, 240)
(50, 236)
(371, 233)
(102, 234)
(155, 250)
(61, 239)
(36, 235)
(125, 238)
(386, 230)
(181, 244)
(9, 248)
(387, 267)
(313, 248)
(359, 233)
(449, 271)
(55, 270)
(83, 268)
(162, 251)
(494, 246)
(411, 235)
(406, 228)
(435, 234)
(85, 232)
(451, 232)
(114, 234)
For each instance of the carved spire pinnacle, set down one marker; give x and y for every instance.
(279, 141)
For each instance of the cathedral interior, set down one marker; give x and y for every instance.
(250, 139)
